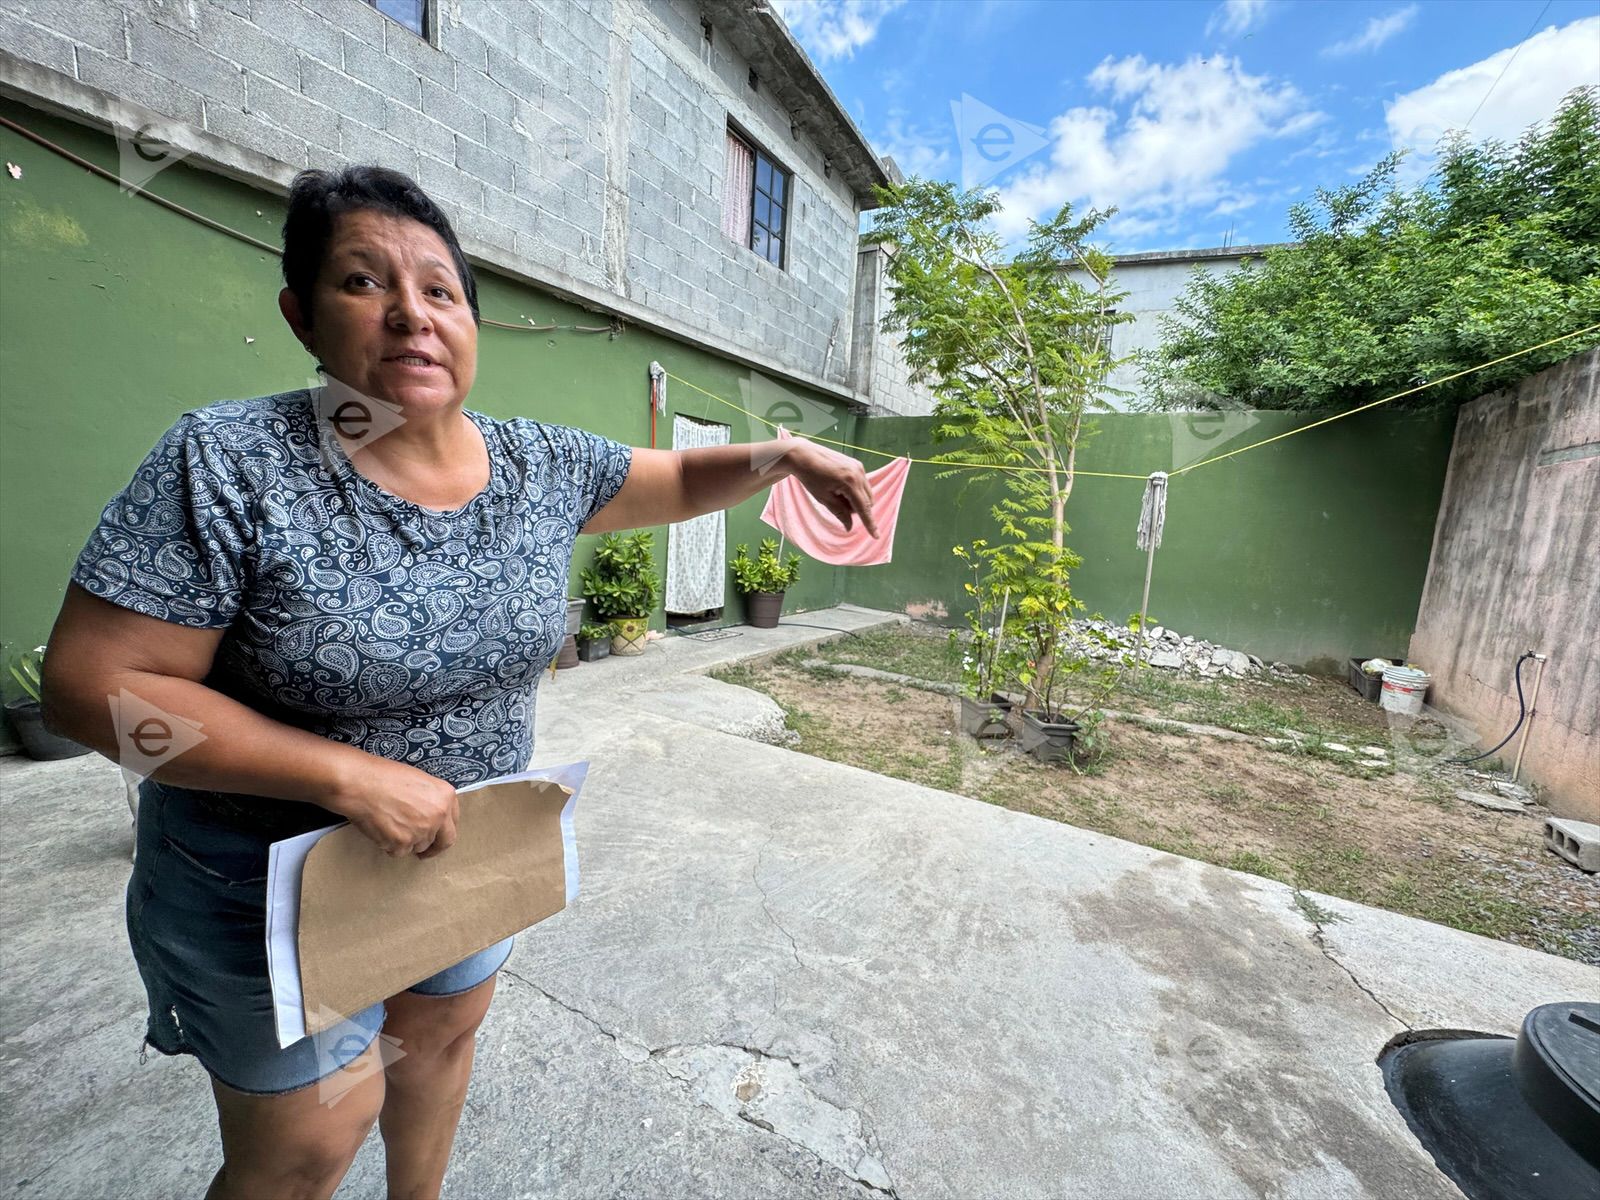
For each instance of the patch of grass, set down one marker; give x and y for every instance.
(921, 654)
(1312, 911)
(740, 675)
(1252, 863)
(893, 695)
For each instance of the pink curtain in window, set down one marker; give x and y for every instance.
(736, 188)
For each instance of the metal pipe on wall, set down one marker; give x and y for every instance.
(1533, 709)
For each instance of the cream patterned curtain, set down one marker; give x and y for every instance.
(697, 561)
(736, 189)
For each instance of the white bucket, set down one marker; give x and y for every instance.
(1403, 690)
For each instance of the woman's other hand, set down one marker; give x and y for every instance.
(403, 809)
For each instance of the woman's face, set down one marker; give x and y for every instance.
(388, 287)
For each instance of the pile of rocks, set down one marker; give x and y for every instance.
(1170, 650)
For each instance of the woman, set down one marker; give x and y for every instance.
(345, 596)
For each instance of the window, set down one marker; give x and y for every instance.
(413, 14)
(755, 200)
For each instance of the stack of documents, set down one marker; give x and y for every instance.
(348, 925)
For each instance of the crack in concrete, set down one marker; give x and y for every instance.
(1314, 915)
(766, 907)
(757, 1056)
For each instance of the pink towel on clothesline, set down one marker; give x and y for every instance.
(801, 518)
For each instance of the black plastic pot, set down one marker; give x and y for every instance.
(37, 741)
(594, 649)
(1508, 1119)
(1047, 736)
(764, 608)
(985, 719)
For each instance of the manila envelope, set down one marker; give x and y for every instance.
(372, 926)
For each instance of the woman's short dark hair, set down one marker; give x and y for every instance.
(317, 198)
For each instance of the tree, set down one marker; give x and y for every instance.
(1386, 288)
(1016, 350)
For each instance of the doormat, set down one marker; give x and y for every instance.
(713, 635)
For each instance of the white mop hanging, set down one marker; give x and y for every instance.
(1152, 518)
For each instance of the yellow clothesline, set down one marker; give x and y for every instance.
(884, 453)
(1422, 387)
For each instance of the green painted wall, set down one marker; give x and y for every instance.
(1312, 548)
(117, 315)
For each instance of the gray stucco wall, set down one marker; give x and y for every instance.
(1515, 567)
(1153, 282)
(578, 144)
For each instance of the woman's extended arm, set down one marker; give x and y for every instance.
(664, 486)
(101, 652)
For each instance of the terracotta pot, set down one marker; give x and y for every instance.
(764, 608)
(569, 653)
(37, 741)
(629, 638)
(1047, 736)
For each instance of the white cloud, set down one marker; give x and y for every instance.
(1233, 17)
(915, 151)
(832, 29)
(1537, 74)
(1375, 32)
(1159, 149)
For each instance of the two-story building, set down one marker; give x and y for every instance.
(636, 181)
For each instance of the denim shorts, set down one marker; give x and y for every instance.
(197, 922)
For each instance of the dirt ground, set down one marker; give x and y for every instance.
(1313, 818)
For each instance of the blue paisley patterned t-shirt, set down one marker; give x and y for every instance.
(415, 634)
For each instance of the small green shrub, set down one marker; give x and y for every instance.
(765, 572)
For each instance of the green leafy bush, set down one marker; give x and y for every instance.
(622, 582)
(764, 573)
(1386, 288)
(591, 632)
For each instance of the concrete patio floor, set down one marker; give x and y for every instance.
(790, 978)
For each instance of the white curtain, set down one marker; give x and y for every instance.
(697, 561)
(737, 185)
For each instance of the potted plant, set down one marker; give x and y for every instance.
(594, 641)
(763, 580)
(984, 660)
(623, 587)
(27, 718)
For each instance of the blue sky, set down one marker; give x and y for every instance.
(1200, 121)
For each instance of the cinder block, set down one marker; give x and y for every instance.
(243, 43)
(353, 100)
(182, 61)
(376, 69)
(483, 164)
(1576, 841)
(36, 44)
(98, 23)
(293, 112)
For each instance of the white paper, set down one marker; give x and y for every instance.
(286, 860)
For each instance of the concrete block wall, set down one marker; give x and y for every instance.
(576, 143)
(1514, 568)
(880, 370)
